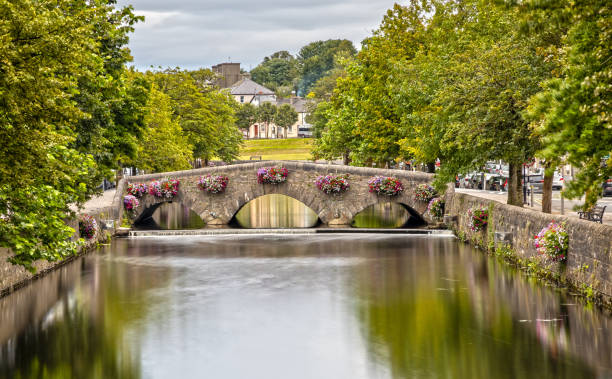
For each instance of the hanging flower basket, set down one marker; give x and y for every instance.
(436, 208)
(272, 175)
(383, 185)
(424, 193)
(478, 218)
(167, 188)
(213, 184)
(552, 242)
(137, 189)
(332, 184)
(130, 202)
(88, 226)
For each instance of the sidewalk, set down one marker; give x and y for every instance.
(100, 204)
(502, 197)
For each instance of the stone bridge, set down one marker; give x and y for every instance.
(219, 209)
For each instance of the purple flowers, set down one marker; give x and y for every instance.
(130, 202)
(552, 241)
(213, 184)
(167, 188)
(389, 186)
(332, 184)
(88, 226)
(272, 175)
(424, 192)
(478, 218)
(137, 189)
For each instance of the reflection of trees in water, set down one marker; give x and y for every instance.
(382, 215)
(276, 211)
(83, 335)
(421, 319)
(173, 216)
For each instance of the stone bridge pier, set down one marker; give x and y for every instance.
(218, 209)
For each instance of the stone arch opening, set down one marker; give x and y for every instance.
(275, 211)
(169, 215)
(388, 214)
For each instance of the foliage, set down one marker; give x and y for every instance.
(333, 184)
(166, 188)
(272, 175)
(164, 146)
(246, 115)
(130, 202)
(213, 184)
(478, 218)
(265, 114)
(552, 241)
(88, 226)
(205, 113)
(389, 186)
(285, 117)
(436, 207)
(424, 192)
(317, 58)
(137, 189)
(277, 71)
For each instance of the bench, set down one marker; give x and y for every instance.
(255, 157)
(595, 214)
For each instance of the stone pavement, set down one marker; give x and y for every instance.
(537, 206)
(100, 204)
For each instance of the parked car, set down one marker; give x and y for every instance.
(607, 187)
(536, 182)
(557, 182)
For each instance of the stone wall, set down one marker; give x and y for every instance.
(590, 244)
(300, 185)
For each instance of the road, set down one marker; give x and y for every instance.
(537, 202)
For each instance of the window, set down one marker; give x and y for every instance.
(242, 99)
(290, 129)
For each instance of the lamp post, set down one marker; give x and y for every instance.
(524, 184)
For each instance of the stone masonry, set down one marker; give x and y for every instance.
(300, 185)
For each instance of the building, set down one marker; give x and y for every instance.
(246, 91)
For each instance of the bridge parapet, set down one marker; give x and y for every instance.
(300, 185)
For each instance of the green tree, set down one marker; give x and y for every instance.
(317, 58)
(285, 117)
(279, 72)
(246, 115)
(45, 49)
(163, 146)
(265, 114)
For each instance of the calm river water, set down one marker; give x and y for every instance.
(297, 306)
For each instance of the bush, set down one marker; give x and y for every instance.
(436, 207)
(213, 184)
(88, 226)
(552, 242)
(424, 193)
(130, 202)
(167, 188)
(272, 175)
(389, 186)
(478, 218)
(332, 183)
(137, 189)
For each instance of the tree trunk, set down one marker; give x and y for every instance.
(267, 128)
(345, 159)
(431, 167)
(515, 192)
(547, 190)
(285, 130)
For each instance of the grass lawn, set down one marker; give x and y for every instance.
(277, 149)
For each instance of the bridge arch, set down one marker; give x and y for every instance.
(243, 187)
(281, 206)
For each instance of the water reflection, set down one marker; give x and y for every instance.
(175, 216)
(382, 215)
(279, 306)
(276, 211)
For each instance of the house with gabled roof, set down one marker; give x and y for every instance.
(246, 91)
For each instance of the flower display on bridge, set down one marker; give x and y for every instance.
(137, 189)
(88, 226)
(166, 188)
(552, 241)
(333, 184)
(213, 184)
(424, 192)
(436, 207)
(478, 218)
(272, 175)
(130, 202)
(385, 185)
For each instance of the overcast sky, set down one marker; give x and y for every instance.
(201, 33)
